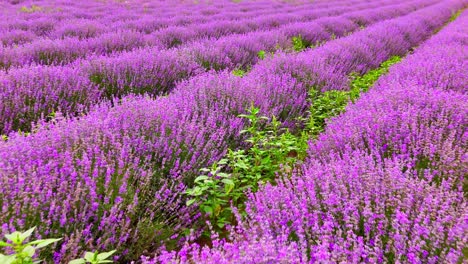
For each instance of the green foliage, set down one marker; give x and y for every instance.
(94, 258)
(51, 116)
(455, 15)
(272, 150)
(272, 147)
(32, 9)
(363, 83)
(261, 54)
(324, 106)
(212, 192)
(298, 43)
(239, 72)
(332, 103)
(23, 253)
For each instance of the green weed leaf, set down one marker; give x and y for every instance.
(14, 237)
(44, 242)
(105, 255)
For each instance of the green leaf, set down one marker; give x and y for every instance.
(7, 259)
(261, 54)
(27, 234)
(217, 209)
(223, 162)
(4, 244)
(208, 209)
(44, 242)
(205, 183)
(227, 181)
(190, 202)
(228, 188)
(14, 237)
(90, 256)
(201, 178)
(105, 261)
(196, 191)
(77, 261)
(105, 255)
(242, 165)
(224, 175)
(266, 159)
(29, 250)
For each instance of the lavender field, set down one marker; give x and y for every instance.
(233, 131)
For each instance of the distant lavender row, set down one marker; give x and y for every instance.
(440, 62)
(23, 27)
(148, 21)
(384, 184)
(123, 168)
(58, 52)
(328, 67)
(241, 50)
(57, 27)
(31, 92)
(130, 10)
(164, 13)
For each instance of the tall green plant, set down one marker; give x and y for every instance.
(23, 252)
(228, 180)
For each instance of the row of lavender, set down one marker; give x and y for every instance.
(31, 92)
(132, 14)
(61, 20)
(52, 51)
(124, 168)
(384, 184)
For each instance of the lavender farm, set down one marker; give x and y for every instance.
(233, 131)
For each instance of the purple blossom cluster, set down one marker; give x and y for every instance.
(28, 93)
(385, 183)
(114, 178)
(153, 71)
